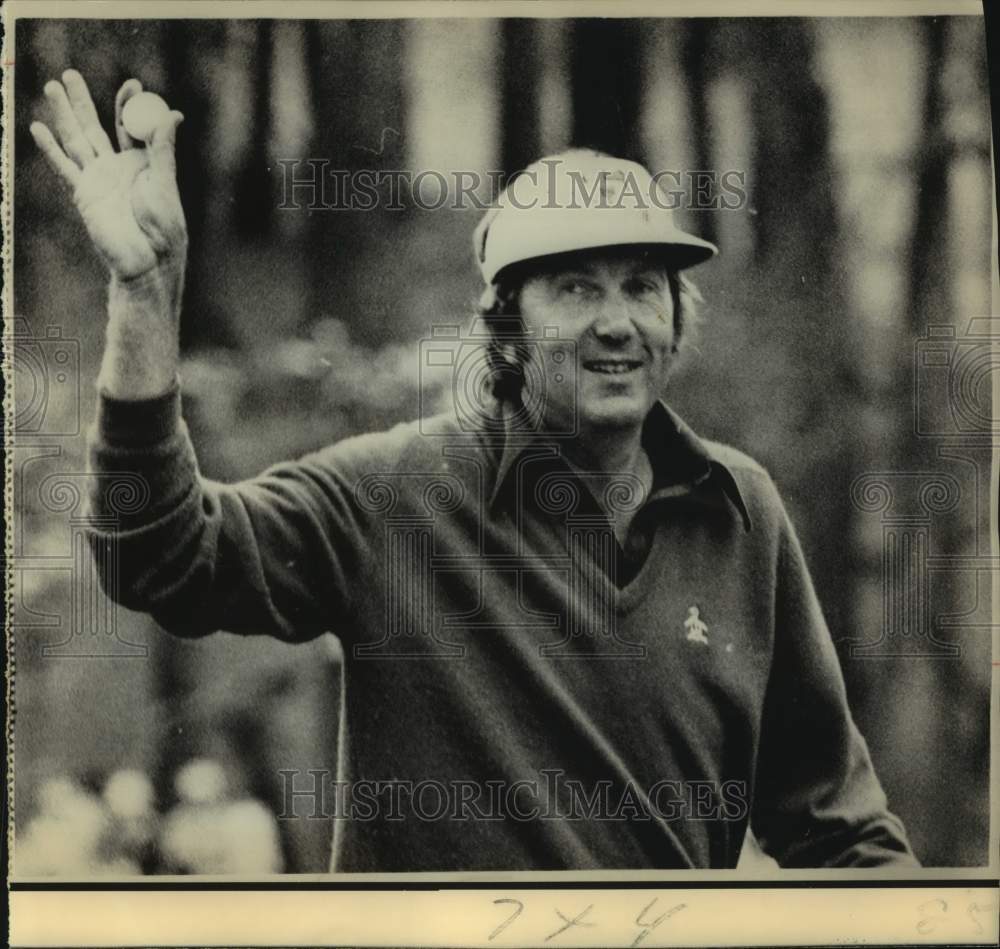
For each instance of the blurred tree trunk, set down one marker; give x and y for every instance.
(188, 41)
(254, 188)
(359, 99)
(605, 82)
(700, 68)
(962, 735)
(929, 284)
(521, 74)
(801, 317)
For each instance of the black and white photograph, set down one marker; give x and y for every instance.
(477, 442)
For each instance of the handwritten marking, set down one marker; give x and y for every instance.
(520, 909)
(650, 925)
(979, 908)
(928, 923)
(933, 913)
(575, 921)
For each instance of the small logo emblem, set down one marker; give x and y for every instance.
(696, 629)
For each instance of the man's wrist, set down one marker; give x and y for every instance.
(155, 293)
(141, 352)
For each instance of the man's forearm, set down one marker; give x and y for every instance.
(141, 352)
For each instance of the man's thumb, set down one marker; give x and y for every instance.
(161, 147)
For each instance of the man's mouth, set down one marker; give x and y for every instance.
(612, 367)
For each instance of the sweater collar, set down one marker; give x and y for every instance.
(683, 464)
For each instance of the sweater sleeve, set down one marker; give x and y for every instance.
(817, 801)
(272, 555)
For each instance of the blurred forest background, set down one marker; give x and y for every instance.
(866, 149)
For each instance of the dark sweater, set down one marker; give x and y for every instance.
(521, 692)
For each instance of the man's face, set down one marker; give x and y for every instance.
(617, 307)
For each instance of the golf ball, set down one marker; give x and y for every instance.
(142, 114)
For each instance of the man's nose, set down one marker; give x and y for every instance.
(615, 320)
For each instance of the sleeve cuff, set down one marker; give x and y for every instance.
(138, 422)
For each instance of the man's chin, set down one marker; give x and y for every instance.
(624, 414)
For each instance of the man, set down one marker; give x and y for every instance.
(575, 634)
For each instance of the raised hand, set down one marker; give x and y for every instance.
(128, 200)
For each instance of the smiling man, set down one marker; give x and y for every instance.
(575, 635)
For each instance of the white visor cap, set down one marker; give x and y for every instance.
(580, 200)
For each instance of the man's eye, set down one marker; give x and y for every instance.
(576, 287)
(642, 285)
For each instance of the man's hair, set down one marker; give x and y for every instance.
(499, 308)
